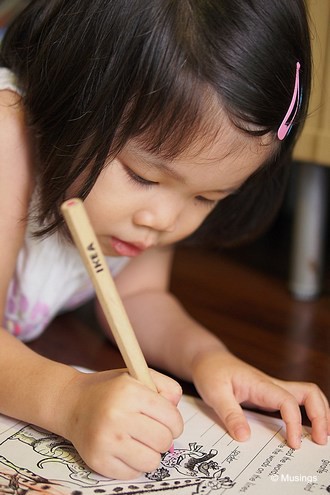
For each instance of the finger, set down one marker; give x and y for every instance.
(110, 458)
(231, 414)
(167, 387)
(276, 397)
(317, 410)
(158, 408)
(316, 405)
(112, 467)
(328, 414)
(291, 416)
(153, 434)
(319, 417)
(327, 408)
(134, 454)
(137, 456)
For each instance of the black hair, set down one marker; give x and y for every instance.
(95, 74)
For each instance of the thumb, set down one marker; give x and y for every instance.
(167, 387)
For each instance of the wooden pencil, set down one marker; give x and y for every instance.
(86, 241)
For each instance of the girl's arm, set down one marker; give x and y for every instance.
(173, 341)
(15, 185)
(119, 427)
(25, 377)
(170, 338)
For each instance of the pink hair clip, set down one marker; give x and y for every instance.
(286, 124)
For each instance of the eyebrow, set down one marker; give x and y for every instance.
(159, 163)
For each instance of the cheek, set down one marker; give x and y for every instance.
(105, 195)
(104, 213)
(190, 221)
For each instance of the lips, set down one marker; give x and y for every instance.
(124, 248)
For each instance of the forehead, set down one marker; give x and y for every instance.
(226, 152)
(193, 132)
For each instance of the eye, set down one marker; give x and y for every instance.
(137, 179)
(207, 202)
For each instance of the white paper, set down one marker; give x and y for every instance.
(206, 460)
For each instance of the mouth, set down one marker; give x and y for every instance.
(124, 248)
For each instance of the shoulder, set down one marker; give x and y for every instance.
(12, 125)
(8, 80)
(16, 182)
(15, 145)
(15, 141)
(10, 94)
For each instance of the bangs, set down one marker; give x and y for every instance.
(168, 121)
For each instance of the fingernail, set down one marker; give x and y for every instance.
(297, 442)
(241, 433)
(323, 439)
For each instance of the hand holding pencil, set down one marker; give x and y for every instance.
(134, 425)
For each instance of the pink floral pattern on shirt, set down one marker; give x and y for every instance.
(22, 318)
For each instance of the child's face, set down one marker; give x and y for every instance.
(141, 201)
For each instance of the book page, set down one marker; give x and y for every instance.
(206, 460)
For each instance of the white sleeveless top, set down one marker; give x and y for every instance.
(49, 277)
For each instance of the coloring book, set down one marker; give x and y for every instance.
(205, 460)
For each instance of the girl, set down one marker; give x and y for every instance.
(173, 120)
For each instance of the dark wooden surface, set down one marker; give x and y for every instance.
(242, 296)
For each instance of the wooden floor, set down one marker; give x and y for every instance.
(242, 296)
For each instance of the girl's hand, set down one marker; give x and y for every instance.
(119, 426)
(224, 382)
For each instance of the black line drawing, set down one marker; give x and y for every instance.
(189, 470)
(204, 462)
(15, 480)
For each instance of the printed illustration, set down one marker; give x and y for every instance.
(187, 471)
(205, 461)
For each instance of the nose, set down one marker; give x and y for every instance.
(162, 217)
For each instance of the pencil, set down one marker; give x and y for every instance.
(88, 246)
